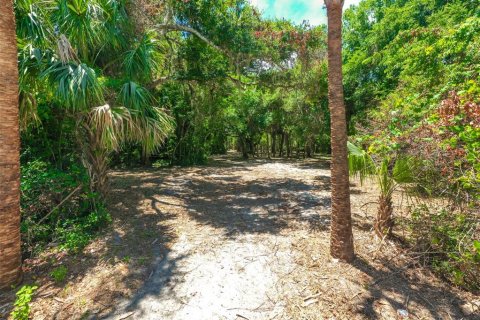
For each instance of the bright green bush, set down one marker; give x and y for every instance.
(411, 77)
(21, 311)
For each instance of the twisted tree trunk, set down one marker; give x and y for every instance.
(10, 245)
(341, 243)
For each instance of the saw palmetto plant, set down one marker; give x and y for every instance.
(388, 173)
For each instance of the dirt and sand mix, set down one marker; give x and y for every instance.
(239, 240)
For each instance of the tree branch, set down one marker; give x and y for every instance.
(177, 27)
(158, 82)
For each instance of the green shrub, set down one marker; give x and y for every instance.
(59, 274)
(21, 310)
(75, 233)
(449, 242)
(72, 224)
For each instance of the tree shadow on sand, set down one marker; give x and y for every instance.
(219, 197)
(404, 288)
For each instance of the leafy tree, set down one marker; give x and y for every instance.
(107, 109)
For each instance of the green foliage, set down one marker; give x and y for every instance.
(21, 311)
(411, 78)
(74, 234)
(59, 274)
(76, 84)
(103, 83)
(360, 163)
(450, 243)
(73, 223)
(388, 172)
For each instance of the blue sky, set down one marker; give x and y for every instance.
(296, 10)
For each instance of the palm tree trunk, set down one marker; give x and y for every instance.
(341, 242)
(10, 245)
(383, 224)
(96, 162)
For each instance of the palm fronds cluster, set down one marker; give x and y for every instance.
(81, 57)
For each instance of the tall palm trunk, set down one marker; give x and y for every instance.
(341, 243)
(10, 252)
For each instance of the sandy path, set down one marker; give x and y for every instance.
(241, 240)
(250, 240)
(233, 244)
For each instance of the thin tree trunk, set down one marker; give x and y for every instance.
(243, 147)
(289, 145)
(145, 157)
(268, 146)
(341, 242)
(10, 244)
(274, 143)
(251, 147)
(308, 149)
(282, 141)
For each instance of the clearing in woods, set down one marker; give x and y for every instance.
(243, 240)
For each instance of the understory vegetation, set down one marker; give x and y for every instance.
(126, 83)
(412, 71)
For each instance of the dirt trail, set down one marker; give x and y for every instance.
(240, 240)
(252, 242)
(234, 245)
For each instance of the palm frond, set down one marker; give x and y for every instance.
(28, 114)
(76, 84)
(360, 163)
(150, 128)
(384, 178)
(143, 59)
(149, 125)
(404, 169)
(114, 16)
(31, 19)
(82, 20)
(30, 62)
(30, 65)
(134, 96)
(108, 124)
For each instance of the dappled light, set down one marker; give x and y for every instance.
(240, 159)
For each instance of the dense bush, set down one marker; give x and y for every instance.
(57, 207)
(448, 240)
(412, 81)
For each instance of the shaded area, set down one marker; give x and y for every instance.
(164, 220)
(229, 197)
(114, 264)
(404, 289)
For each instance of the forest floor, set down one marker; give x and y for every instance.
(240, 240)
